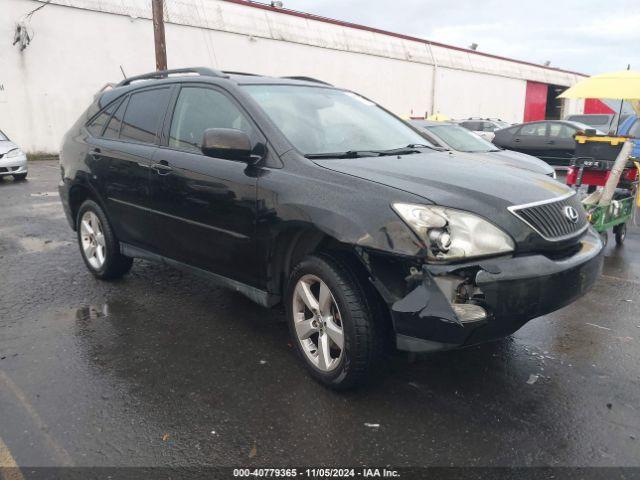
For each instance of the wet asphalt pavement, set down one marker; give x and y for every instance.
(162, 368)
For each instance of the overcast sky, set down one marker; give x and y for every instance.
(586, 36)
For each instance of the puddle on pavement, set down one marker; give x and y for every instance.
(34, 244)
(45, 194)
(92, 312)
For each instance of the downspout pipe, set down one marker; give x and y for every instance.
(434, 80)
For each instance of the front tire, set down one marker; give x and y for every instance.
(332, 322)
(98, 244)
(20, 177)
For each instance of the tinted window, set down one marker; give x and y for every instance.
(535, 129)
(97, 125)
(198, 109)
(560, 130)
(113, 129)
(143, 115)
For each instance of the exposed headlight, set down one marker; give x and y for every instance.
(453, 234)
(14, 153)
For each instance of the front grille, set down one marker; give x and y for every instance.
(550, 219)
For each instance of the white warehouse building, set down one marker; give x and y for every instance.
(77, 46)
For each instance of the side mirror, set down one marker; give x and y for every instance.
(227, 143)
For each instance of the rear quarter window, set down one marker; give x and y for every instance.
(113, 128)
(97, 125)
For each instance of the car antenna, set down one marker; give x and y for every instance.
(123, 74)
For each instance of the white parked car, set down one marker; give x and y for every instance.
(13, 161)
(485, 127)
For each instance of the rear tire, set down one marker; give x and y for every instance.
(98, 244)
(348, 315)
(621, 233)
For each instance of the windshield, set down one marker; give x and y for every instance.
(459, 138)
(321, 121)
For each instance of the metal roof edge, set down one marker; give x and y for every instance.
(318, 18)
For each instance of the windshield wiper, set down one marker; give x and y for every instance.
(347, 154)
(411, 148)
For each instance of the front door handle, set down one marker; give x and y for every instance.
(162, 168)
(95, 153)
(550, 142)
(517, 140)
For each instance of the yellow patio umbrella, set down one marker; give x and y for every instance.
(438, 117)
(624, 85)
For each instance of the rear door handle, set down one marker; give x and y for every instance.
(162, 168)
(517, 140)
(550, 142)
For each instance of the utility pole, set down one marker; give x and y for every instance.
(158, 34)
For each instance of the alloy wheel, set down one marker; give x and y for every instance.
(92, 239)
(318, 323)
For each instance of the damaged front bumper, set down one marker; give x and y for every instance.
(509, 291)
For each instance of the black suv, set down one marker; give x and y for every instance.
(291, 191)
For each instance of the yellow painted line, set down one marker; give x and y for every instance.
(8, 467)
(59, 451)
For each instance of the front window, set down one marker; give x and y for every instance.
(461, 139)
(3, 137)
(321, 121)
(199, 109)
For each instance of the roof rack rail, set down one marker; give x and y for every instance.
(485, 118)
(160, 74)
(229, 72)
(308, 79)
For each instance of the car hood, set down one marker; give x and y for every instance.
(6, 146)
(455, 180)
(519, 160)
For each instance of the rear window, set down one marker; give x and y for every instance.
(143, 115)
(634, 131)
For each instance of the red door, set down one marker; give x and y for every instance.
(535, 101)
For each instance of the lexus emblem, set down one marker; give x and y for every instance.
(571, 214)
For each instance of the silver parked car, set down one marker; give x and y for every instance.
(13, 161)
(455, 138)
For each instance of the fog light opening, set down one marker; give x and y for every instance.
(469, 312)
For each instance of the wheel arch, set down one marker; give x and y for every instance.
(78, 194)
